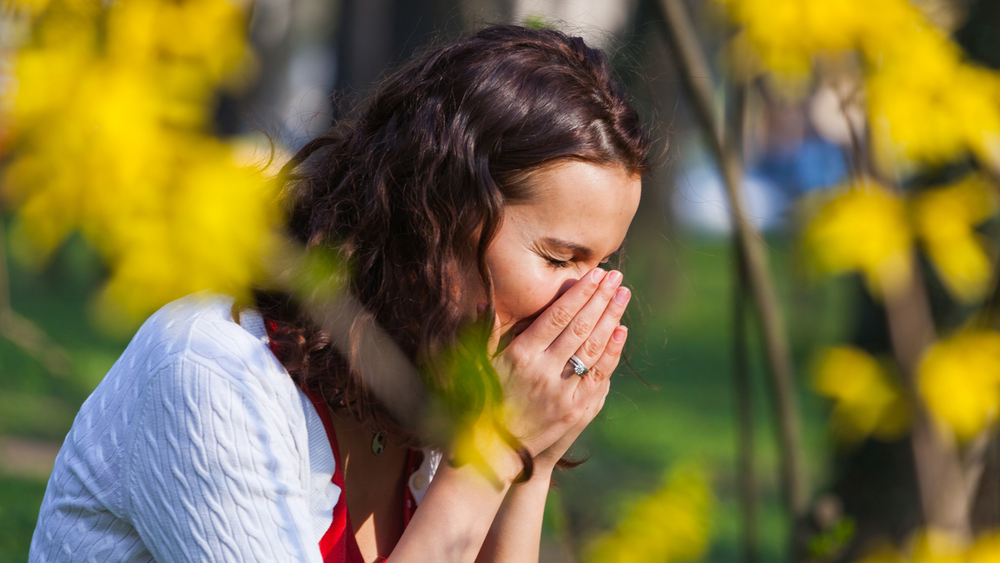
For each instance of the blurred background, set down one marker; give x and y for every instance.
(814, 363)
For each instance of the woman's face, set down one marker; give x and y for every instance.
(574, 221)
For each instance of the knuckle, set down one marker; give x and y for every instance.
(560, 317)
(591, 348)
(581, 329)
(598, 372)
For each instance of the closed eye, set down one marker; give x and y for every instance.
(557, 263)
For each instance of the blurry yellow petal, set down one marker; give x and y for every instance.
(862, 228)
(960, 381)
(866, 400)
(110, 136)
(670, 525)
(927, 105)
(883, 554)
(931, 546)
(986, 549)
(945, 219)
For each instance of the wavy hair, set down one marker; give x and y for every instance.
(412, 190)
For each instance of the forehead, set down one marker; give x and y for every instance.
(585, 203)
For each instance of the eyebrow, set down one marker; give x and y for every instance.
(586, 251)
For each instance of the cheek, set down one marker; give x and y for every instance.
(524, 292)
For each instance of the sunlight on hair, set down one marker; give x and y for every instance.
(867, 402)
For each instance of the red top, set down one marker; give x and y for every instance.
(338, 544)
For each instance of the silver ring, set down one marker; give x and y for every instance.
(578, 367)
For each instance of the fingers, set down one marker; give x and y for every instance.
(593, 348)
(608, 361)
(588, 319)
(554, 320)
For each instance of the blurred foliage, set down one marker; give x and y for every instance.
(960, 381)
(111, 134)
(862, 227)
(18, 514)
(926, 102)
(867, 401)
(670, 525)
(945, 220)
(930, 546)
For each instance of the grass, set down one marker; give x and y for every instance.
(19, 502)
(679, 343)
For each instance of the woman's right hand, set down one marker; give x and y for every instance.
(544, 399)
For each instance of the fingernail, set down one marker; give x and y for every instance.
(597, 275)
(481, 307)
(619, 334)
(615, 276)
(622, 295)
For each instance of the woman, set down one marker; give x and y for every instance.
(484, 184)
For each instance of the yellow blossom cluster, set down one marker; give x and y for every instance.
(926, 103)
(110, 136)
(670, 525)
(867, 228)
(959, 380)
(867, 401)
(945, 220)
(787, 34)
(930, 546)
(862, 227)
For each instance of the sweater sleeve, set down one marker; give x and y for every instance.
(213, 471)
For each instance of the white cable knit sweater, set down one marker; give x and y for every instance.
(197, 446)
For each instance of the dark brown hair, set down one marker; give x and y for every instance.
(412, 191)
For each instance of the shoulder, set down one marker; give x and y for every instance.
(200, 328)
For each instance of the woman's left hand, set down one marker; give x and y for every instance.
(602, 350)
(602, 370)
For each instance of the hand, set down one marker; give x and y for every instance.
(545, 402)
(602, 370)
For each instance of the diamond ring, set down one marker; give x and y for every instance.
(578, 367)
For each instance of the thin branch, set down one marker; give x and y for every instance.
(696, 76)
(944, 495)
(745, 471)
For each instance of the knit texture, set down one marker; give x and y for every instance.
(196, 446)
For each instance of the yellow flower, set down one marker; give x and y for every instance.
(110, 137)
(883, 554)
(787, 34)
(945, 219)
(931, 546)
(960, 381)
(927, 105)
(862, 228)
(866, 400)
(670, 525)
(986, 549)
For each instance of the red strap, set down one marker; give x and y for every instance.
(338, 544)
